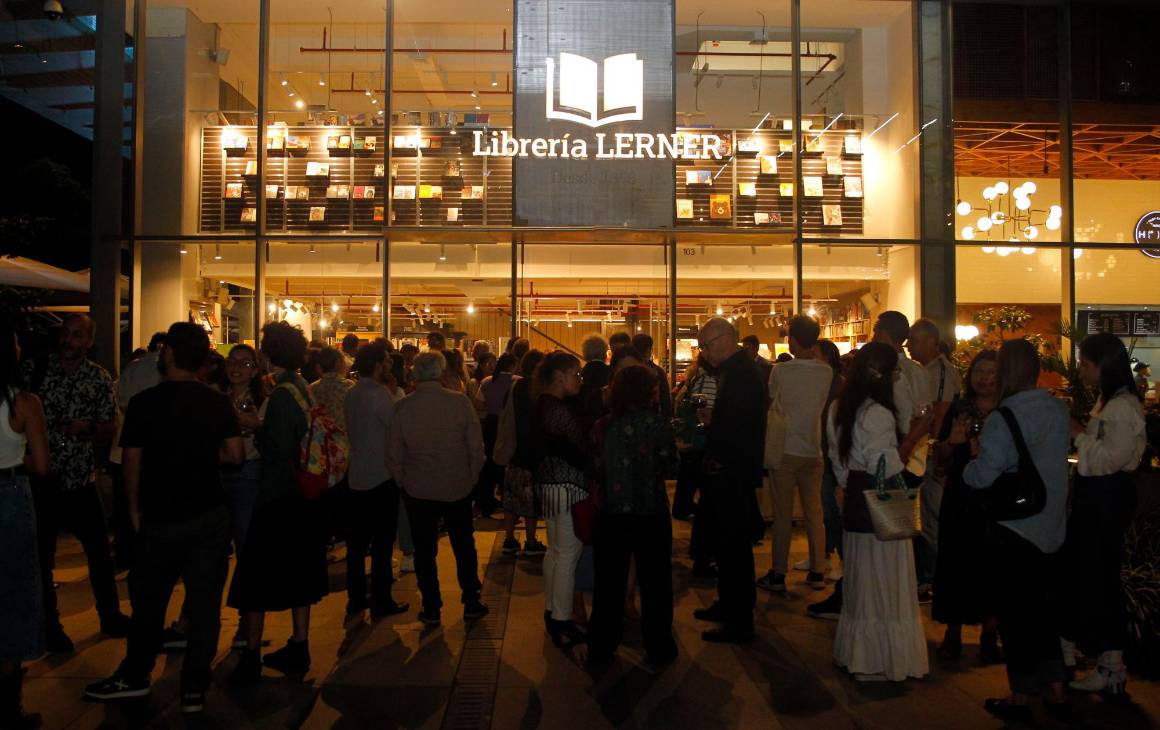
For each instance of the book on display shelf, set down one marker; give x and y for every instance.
(317, 213)
(747, 189)
(698, 177)
(452, 169)
(405, 142)
(370, 144)
(720, 206)
(404, 192)
(317, 169)
(251, 168)
(749, 146)
(364, 192)
(235, 142)
(332, 142)
(233, 191)
(431, 192)
(831, 215)
(852, 186)
(357, 144)
(785, 190)
(761, 218)
(768, 165)
(394, 170)
(271, 192)
(452, 215)
(249, 215)
(834, 165)
(380, 169)
(814, 146)
(853, 144)
(472, 192)
(785, 145)
(295, 142)
(377, 217)
(276, 142)
(812, 186)
(344, 142)
(684, 208)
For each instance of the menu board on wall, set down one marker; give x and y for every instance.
(588, 71)
(1124, 323)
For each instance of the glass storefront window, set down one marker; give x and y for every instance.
(1116, 290)
(1027, 278)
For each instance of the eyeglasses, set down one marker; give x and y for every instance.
(247, 364)
(702, 344)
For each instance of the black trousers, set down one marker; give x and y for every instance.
(1093, 554)
(491, 475)
(731, 509)
(123, 536)
(1024, 583)
(689, 476)
(197, 551)
(372, 523)
(80, 512)
(619, 538)
(457, 519)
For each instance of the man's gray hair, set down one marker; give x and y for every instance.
(594, 348)
(429, 366)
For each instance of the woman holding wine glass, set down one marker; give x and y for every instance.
(247, 392)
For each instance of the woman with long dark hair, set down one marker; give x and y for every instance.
(879, 635)
(561, 481)
(960, 580)
(23, 450)
(1103, 503)
(1021, 551)
(247, 391)
(283, 565)
(635, 453)
(519, 493)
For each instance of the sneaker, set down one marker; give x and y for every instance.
(772, 582)
(511, 546)
(115, 626)
(815, 580)
(925, 595)
(1103, 680)
(802, 564)
(407, 565)
(713, 613)
(117, 687)
(535, 547)
(474, 609)
(829, 609)
(239, 641)
(389, 607)
(174, 639)
(431, 617)
(56, 641)
(292, 660)
(192, 702)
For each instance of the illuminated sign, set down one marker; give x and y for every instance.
(622, 100)
(617, 146)
(1148, 231)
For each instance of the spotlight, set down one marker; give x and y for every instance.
(470, 308)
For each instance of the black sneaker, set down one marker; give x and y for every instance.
(829, 609)
(535, 547)
(474, 609)
(292, 660)
(772, 582)
(117, 687)
(115, 626)
(56, 641)
(192, 702)
(430, 617)
(174, 640)
(511, 546)
(815, 580)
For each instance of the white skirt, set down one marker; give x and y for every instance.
(880, 628)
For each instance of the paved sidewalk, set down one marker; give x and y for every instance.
(503, 672)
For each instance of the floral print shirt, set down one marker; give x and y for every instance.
(636, 452)
(82, 394)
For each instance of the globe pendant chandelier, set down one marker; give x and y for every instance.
(1007, 214)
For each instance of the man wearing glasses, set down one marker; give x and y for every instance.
(733, 468)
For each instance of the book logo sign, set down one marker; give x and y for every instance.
(1148, 231)
(584, 100)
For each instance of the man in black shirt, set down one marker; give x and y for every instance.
(643, 344)
(176, 435)
(735, 442)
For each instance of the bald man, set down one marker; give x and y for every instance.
(81, 412)
(734, 449)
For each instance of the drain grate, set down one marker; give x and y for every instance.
(469, 708)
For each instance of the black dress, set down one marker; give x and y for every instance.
(960, 579)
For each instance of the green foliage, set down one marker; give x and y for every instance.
(1140, 574)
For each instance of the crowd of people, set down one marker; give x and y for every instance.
(213, 455)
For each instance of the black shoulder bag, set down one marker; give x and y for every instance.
(1014, 495)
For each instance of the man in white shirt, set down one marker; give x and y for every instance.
(944, 384)
(912, 398)
(798, 390)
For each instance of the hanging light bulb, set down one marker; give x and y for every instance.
(1052, 224)
(298, 103)
(1004, 250)
(1001, 187)
(442, 252)
(988, 249)
(494, 80)
(471, 308)
(312, 249)
(368, 91)
(1031, 232)
(988, 193)
(272, 308)
(283, 80)
(720, 311)
(217, 256)
(1027, 250)
(321, 80)
(968, 233)
(1019, 192)
(1029, 187)
(1055, 212)
(1077, 253)
(334, 307)
(998, 217)
(812, 311)
(323, 324)
(1023, 203)
(984, 223)
(474, 94)
(963, 208)
(376, 308)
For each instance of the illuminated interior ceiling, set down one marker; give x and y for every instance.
(1100, 151)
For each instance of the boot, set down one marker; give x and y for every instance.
(12, 715)
(292, 659)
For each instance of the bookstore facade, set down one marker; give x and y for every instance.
(546, 170)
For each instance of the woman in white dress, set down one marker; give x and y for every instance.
(880, 635)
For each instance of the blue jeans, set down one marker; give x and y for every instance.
(21, 614)
(241, 486)
(831, 512)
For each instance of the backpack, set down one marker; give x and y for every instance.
(324, 455)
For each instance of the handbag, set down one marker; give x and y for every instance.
(1014, 495)
(895, 508)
